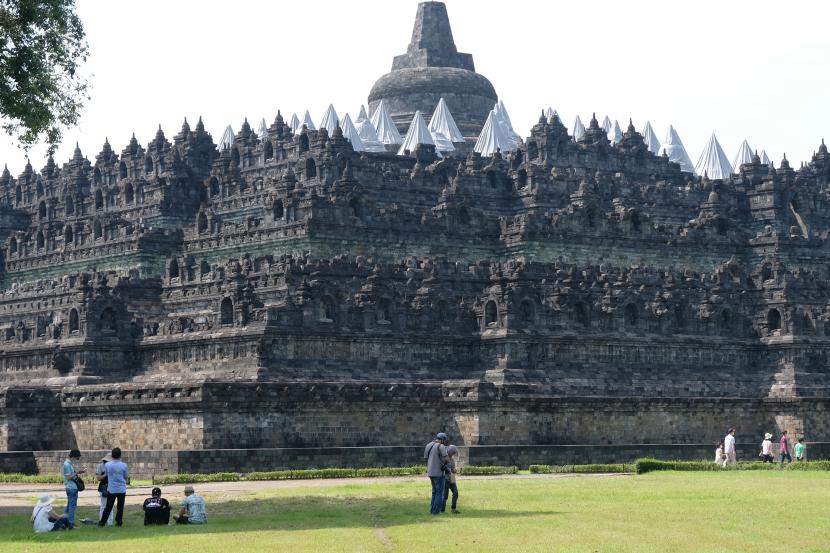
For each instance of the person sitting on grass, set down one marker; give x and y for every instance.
(193, 508)
(44, 517)
(156, 509)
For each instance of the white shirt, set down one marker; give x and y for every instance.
(40, 519)
(729, 444)
(766, 447)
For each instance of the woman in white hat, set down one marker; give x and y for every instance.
(766, 448)
(45, 519)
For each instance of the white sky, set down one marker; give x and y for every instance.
(745, 69)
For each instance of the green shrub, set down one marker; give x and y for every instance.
(809, 465)
(541, 469)
(648, 465)
(415, 470)
(473, 470)
(18, 478)
(581, 469)
(185, 478)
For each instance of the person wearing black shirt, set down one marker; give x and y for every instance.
(156, 509)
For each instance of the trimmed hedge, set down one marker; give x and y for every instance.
(18, 478)
(581, 469)
(310, 474)
(649, 465)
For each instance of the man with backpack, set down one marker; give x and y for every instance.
(437, 458)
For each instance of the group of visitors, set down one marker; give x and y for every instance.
(112, 475)
(442, 471)
(726, 454)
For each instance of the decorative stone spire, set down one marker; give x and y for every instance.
(185, 127)
(823, 148)
(432, 44)
(77, 156)
(200, 127)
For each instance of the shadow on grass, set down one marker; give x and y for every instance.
(257, 514)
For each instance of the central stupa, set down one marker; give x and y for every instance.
(431, 69)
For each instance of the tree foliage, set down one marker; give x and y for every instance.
(42, 45)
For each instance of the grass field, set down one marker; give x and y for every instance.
(659, 512)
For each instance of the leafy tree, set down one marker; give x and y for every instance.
(42, 45)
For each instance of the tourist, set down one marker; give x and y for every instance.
(156, 509)
(71, 477)
(729, 448)
(799, 450)
(766, 448)
(193, 508)
(117, 475)
(435, 452)
(101, 471)
(784, 449)
(44, 517)
(720, 456)
(451, 485)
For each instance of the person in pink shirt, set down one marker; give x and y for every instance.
(784, 448)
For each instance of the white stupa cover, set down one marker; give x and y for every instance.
(418, 133)
(384, 126)
(295, 123)
(443, 124)
(765, 158)
(713, 161)
(350, 133)
(330, 120)
(309, 124)
(549, 113)
(263, 129)
(227, 138)
(673, 147)
(578, 130)
(367, 133)
(615, 134)
(492, 137)
(650, 138)
(606, 124)
(744, 155)
(506, 126)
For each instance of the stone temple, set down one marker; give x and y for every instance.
(286, 300)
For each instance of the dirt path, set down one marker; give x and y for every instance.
(25, 495)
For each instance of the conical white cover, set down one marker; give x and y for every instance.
(744, 155)
(549, 113)
(227, 138)
(492, 137)
(673, 147)
(367, 133)
(309, 124)
(606, 124)
(713, 161)
(295, 123)
(765, 158)
(579, 129)
(330, 120)
(650, 138)
(506, 126)
(384, 126)
(615, 134)
(443, 124)
(350, 133)
(263, 129)
(418, 133)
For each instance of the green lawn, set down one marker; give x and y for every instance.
(657, 512)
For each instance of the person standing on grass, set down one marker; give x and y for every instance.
(101, 471)
(117, 475)
(784, 449)
(729, 448)
(766, 448)
(451, 485)
(193, 508)
(799, 450)
(70, 472)
(435, 452)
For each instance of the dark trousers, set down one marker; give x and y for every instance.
(767, 458)
(113, 499)
(786, 455)
(182, 520)
(450, 487)
(437, 494)
(60, 524)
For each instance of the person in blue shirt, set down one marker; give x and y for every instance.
(118, 476)
(70, 471)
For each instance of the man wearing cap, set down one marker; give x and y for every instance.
(156, 509)
(435, 453)
(193, 508)
(101, 475)
(45, 519)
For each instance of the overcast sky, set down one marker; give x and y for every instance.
(745, 69)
